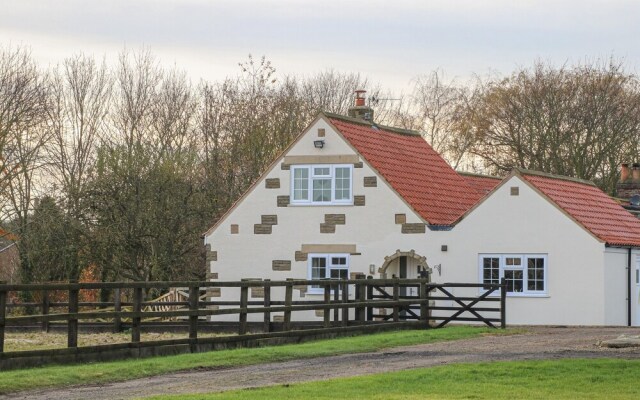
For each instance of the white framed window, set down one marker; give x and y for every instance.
(524, 274)
(327, 266)
(322, 184)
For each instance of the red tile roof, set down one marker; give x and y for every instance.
(416, 171)
(482, 183)
(590, 207)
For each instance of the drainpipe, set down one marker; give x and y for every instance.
(629, 287)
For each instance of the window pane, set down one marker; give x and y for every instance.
(301, 184)
(322, 190)
(339, 274)
(535, 274)
(513, 279)
(515, 261)
(343, 183)
(321, 171)
(318, 269)
(490, 271)
(338, 261)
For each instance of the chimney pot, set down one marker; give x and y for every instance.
(635, 173)
(360, 97)
(360, 110)
(624, 172)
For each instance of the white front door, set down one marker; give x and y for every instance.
(636, 278)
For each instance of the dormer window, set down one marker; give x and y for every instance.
(321, 184)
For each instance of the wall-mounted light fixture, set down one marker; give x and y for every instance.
(318, 144)
(372, 269)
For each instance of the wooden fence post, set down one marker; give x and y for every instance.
(336, 300)
(288, 299)
(345, 300)
(3, 313)
(137, 316)
(194, 298)
(503, 303)
(244, 300)
(360, 310)
(117, 308)
(326, 314)
(72, 323)
(369, 298)
(424, 303)
(396, 298)
(45, 310)
(266, 327)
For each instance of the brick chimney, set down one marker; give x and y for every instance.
(629, 184)
(360, 110)
(624, 172)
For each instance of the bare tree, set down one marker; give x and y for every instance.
(81, 98)
(23, 110)
(437, 108)
(577, 121)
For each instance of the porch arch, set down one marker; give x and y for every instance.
(409, 254)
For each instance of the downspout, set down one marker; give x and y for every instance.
(629, 287)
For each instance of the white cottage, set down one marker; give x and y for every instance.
(349, 196)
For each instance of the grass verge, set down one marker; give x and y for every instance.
(559, 379)
(57, 376)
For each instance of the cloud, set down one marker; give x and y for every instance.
(392, 41)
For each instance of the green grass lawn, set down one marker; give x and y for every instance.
(563, 379)
(56, 376)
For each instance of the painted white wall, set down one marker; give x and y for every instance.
(527, 224)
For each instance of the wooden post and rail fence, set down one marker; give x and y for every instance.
(341, 306)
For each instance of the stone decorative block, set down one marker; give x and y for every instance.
(515, 191)
(262, 229)
(302, 288)
(414, 228)
(358, 201)
(300, 256)
(257, 292)
(272, 183)
(370, 181)
(358, 165)
(327, 228)
(320, 313)
(213, 292)
(269, 220)
(281, 265)
(283, 201)
(335, 219)
(235, 229)
(401, 218)
(212, 275)
(211, 255)
(278, 318)
(285, 167)
(321, 132)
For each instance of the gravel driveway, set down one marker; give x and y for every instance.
(538, 343)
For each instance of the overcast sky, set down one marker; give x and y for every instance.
(389, 41)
